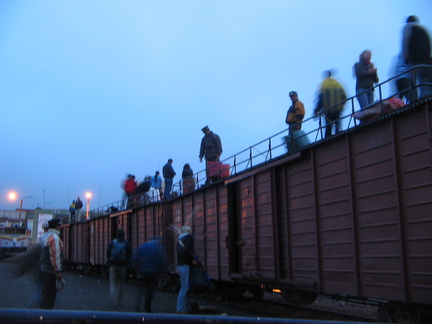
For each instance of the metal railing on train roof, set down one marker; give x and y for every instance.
(277, 145)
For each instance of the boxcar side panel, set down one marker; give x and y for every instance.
(336, 222)
(302, 235)
(92, 226)
(247, 227)
(265, 251)
(377, 214)
(221, 235)
(415, 182)
(208, 243)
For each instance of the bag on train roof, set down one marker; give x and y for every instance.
(118, 252)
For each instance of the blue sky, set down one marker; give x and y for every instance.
(93, 90)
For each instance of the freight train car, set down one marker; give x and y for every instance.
(348, 217)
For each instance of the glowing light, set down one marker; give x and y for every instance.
(13, 195)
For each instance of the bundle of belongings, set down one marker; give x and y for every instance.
(379, 108)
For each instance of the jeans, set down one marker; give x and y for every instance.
(332, 118)
(406, 89)
(117, 278)
(183, 301)
(168, 186)
(366, 98)
(424, 80)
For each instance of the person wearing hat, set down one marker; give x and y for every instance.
(51, 267)
(211, 149)
(295, 113)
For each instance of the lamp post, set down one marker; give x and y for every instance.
(88, 196)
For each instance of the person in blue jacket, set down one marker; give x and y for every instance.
(149, 260)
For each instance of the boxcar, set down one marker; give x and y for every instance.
(349, 217)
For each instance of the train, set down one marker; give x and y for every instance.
(13, 240)
(348, 217)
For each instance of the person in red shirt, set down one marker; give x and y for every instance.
(130, 190)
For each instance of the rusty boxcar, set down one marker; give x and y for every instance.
(349, 217)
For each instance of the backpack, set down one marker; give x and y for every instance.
(143, 187)
(118, 252)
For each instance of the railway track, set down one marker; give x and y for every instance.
(323, 309)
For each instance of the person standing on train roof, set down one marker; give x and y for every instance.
(416, 49)
(169, 174)
(72, 210)
(130, 190)
(295, 114)
(156, 181)
(211, 149)
(119, 253)
(366, 75)
(330, 102)
(78, 207)
(51, 263)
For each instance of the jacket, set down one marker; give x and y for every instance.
(295, 113)
(168, 171)
(149, 258)
(51, 254)
(128, 250)
(211, 146)
(330, 95)
(185, 250)
(416, 44)
(365, 80)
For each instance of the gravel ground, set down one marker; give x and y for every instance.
(87, 293)
(91, 293)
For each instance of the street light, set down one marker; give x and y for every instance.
(13, 196)
(88, 196)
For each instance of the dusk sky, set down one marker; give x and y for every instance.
(93, 90)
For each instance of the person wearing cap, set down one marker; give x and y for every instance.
(416, 49)
(51, 267)
(295, 114)
(211, 149)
